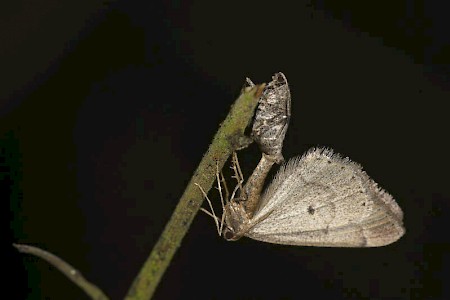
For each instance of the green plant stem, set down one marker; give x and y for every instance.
(73, 274)
(228, 138)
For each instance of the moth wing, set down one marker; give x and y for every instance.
(321, 199)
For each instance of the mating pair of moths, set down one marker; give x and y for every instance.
(318, 199)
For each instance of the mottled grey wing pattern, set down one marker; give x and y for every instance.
(321, 199)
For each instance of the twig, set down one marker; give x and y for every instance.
(73, 274)
(228, 138)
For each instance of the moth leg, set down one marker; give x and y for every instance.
(237, 171)
(212, 213)
(238, 176)
(225, 187)
(219, 187)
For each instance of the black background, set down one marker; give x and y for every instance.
(107, 108)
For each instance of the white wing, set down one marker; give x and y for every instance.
(321, 199)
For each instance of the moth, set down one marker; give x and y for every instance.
(317, 199)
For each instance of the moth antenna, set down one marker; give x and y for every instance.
(212, 213)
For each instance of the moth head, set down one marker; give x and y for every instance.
(236, 220)
(229, 234)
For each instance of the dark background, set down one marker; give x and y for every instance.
(107, 108)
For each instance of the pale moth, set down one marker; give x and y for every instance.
(317, 199)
